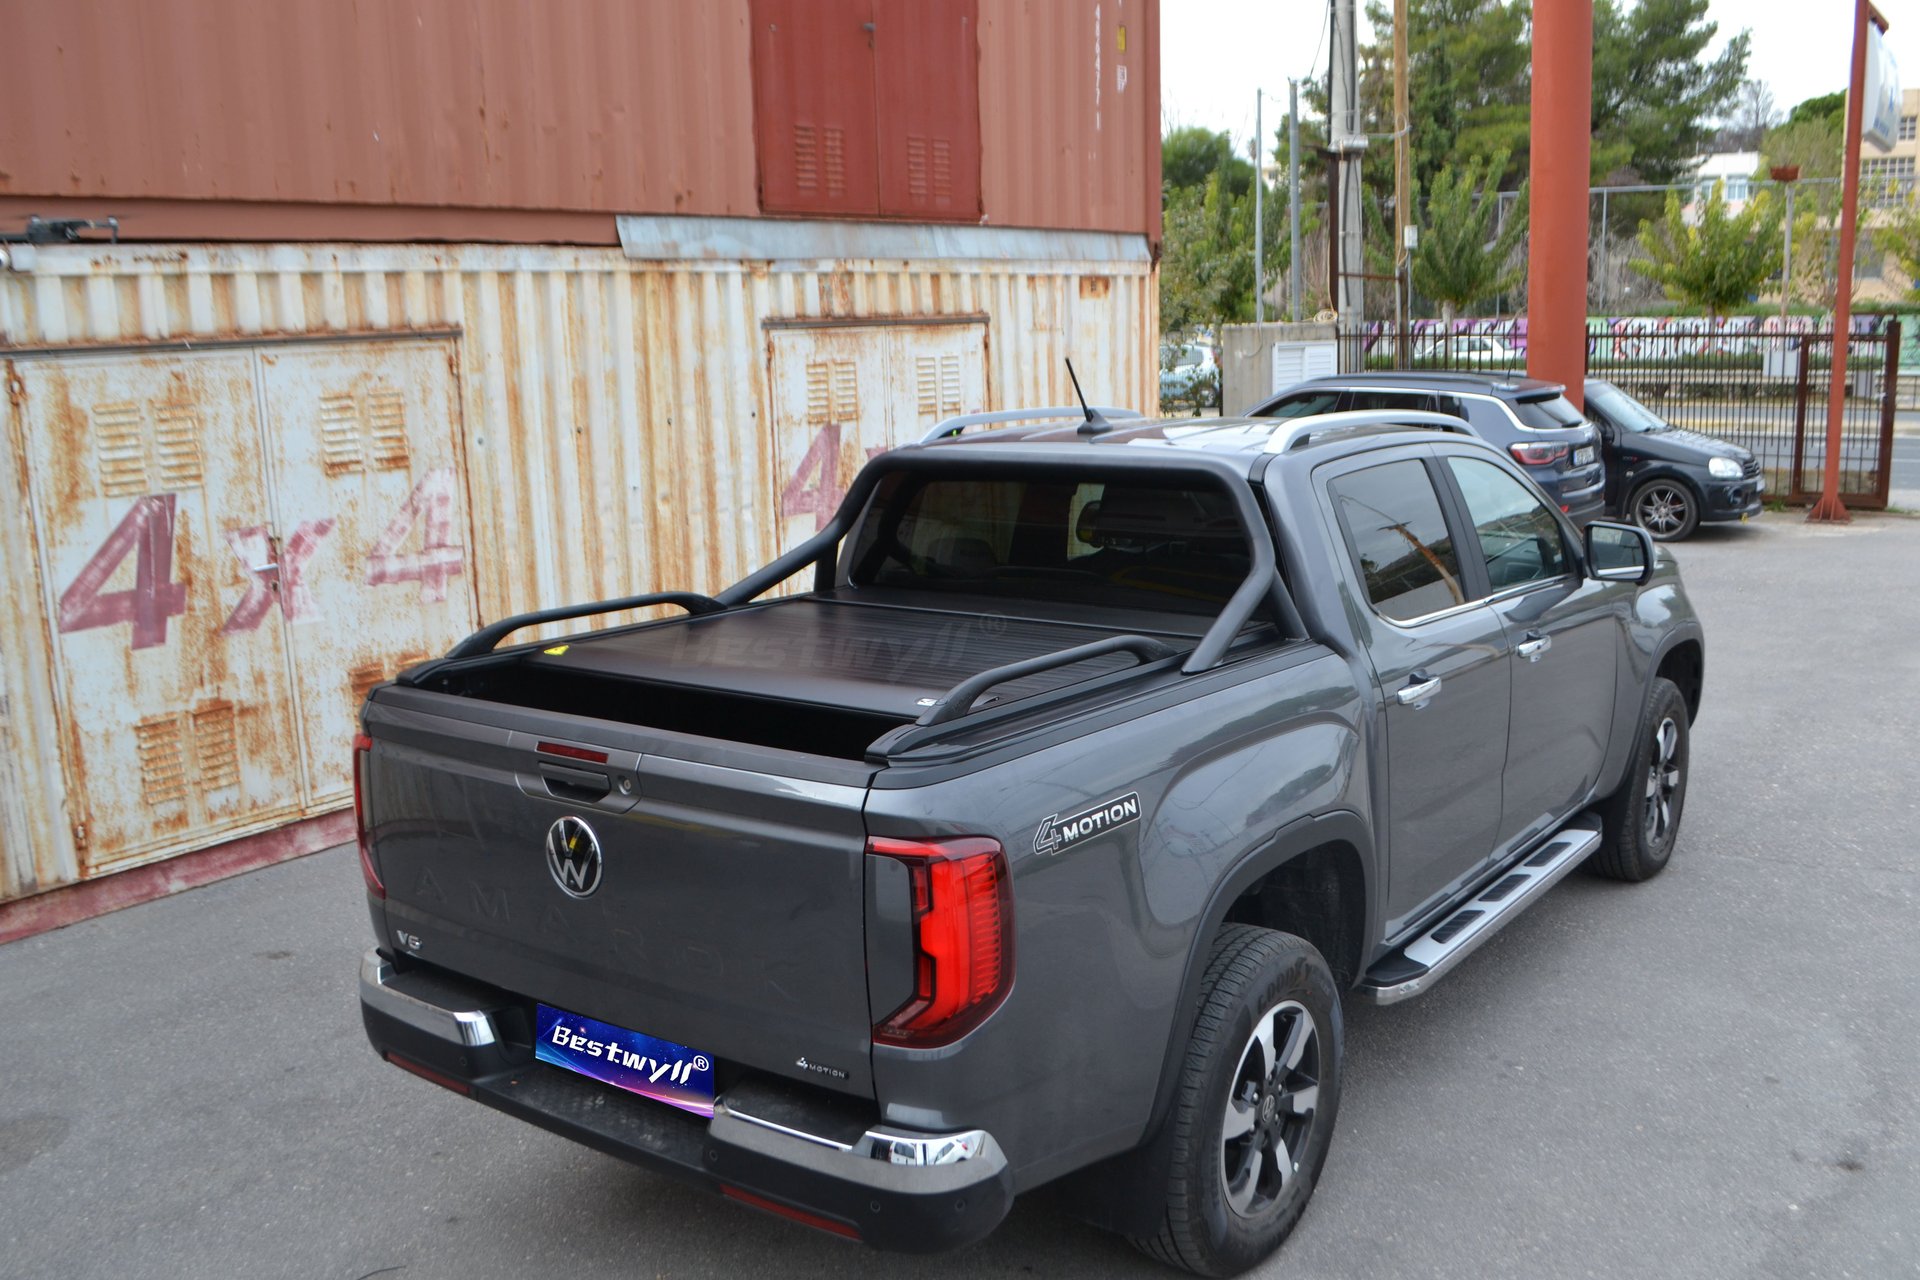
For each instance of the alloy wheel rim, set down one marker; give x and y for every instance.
(1663, 509)
(1663, 782)
(1271, 1108)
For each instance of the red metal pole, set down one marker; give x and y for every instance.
(1830, 508)
(1560, 173)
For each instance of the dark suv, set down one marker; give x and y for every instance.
(1665, 479)
(1532, 420)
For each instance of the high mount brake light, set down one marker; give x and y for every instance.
(1538, 455)
(362, 751)
(963, 938)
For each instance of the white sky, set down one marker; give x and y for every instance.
(1216, 53)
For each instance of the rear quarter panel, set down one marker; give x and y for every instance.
(1066, 1071)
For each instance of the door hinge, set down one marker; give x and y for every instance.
(16, 389)
(80, 836)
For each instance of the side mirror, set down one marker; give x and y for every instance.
(1619, 552)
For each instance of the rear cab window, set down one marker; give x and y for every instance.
(1175, 547)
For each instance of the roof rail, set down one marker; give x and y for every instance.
(1298, 432)
(954, 426)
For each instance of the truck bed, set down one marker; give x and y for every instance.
(816, 673)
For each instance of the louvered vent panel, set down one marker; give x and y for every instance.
(846, 392)
(917, 169)
(120, 449)
(342, 451)
(835, 160)
(937, 380)
(163, 764)
(176, 446)
(819, 393)
(216, 748)
(806, 159)
(360, 682)
(941, 178)
(386, 415)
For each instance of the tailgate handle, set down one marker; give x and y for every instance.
(574, 784)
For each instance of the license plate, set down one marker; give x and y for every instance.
(1583, 456)
(630, 1060)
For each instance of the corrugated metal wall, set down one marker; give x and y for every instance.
(612, 414)
(263, 115)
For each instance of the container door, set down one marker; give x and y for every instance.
(842, 394)
(372, 528)
(146, 477)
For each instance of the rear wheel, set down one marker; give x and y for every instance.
(1254, 1114)
(1667, 509)
(1641, 819)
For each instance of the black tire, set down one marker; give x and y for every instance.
(1216, 1222)
(1667, 508)
(1641, 820)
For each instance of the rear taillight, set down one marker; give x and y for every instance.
(362, 752)
(1538, 455)
(962, 934)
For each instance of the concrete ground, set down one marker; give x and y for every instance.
(1715, 1074)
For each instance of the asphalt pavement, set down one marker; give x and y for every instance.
(1715, 1074)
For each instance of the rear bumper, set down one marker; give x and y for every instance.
(824, 1165)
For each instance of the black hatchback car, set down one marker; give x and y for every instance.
(1666, 480)
(1532, 420)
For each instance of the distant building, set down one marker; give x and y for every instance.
(1734, 168)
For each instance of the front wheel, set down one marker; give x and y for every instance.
(1258, 1092)
(1667, 509)
(1641, 820)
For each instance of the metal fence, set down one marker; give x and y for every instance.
(1755, 385)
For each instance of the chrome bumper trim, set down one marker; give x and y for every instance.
(472, 1028)
(882, 1142)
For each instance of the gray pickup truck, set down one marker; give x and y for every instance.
(1041, 839)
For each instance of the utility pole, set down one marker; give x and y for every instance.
(1259, 214)
(1402, 182)
(1293, 197)
(1347, 141)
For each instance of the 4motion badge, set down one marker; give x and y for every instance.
(573, 857)
(1058, 834)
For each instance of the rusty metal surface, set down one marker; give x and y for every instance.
(608, 105)
(229, 120)
(1070, 114)
(613, 425)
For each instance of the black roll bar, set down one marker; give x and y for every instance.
(486, 638)
(959, 699)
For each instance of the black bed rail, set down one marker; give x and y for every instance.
(486, 638)
(959, 699)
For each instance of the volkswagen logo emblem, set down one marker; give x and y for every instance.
(573, 857)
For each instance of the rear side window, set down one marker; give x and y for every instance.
(1304, 404)
(1519, 537)
(1549, 414)
(1388, 400)
(1067, 539)
(1400, 541)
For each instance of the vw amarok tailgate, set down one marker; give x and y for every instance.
(724, 910)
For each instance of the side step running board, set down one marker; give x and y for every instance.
(1419, 964)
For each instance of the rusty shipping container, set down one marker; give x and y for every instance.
(249, 481)
(501, 121)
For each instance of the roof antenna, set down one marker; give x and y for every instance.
(1094, 424)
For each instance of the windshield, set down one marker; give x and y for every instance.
(1622, 409)
(1066, 538)
(1549, 413)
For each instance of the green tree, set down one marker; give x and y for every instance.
(1718, 260)
(1467, 85)
(1812, 141)
(1190, 155)
(1655, 98)
(1899, 234)
(1827, 106)
(1461, 260)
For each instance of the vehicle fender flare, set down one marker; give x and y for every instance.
(1126, 1192)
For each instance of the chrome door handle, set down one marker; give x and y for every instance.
(1533, 646)
(262, 568)
(1418, 691)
